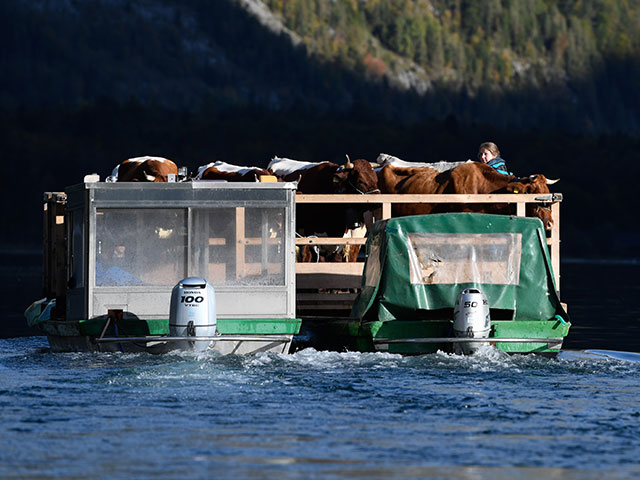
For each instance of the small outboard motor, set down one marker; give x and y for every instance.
(193, 312)
(471, 319)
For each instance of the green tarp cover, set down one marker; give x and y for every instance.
(421, 263)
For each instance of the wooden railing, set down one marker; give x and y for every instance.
(328, 277)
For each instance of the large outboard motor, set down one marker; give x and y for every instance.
(193, 312)
(471, 319)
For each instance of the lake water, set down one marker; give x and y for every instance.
(332, 415)
(316, 415)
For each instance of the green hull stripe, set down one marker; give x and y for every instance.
(399, 329)
(136, 327)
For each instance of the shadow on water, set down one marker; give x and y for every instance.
(21, 285)
(601, 298)
(602, 303)
(599, 355)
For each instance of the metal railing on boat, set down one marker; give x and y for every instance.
(225, 338)
(551, 342)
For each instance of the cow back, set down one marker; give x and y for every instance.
(441, 166)
(146, 169)
(230, 173)
(314, 180)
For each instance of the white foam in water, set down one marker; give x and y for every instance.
(324, 359)
(485, 359)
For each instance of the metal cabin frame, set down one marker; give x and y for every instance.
(260, 220)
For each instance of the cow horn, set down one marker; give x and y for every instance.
(149, 178)
(551, 182)
(348, 165)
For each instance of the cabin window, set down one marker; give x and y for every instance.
(441, 258)
(140, 247)
(238, 246)
(226, 246)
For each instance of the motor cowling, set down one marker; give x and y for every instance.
(193, 312)
(471, 319)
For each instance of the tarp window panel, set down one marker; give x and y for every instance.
(443, 258)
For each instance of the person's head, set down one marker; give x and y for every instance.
(487, 152)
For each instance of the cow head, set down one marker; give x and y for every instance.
(530, 184)
(355, 177)
(534, 184)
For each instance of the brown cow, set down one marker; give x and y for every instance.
(231, 173)
(470, 178)
(333, 220)
(145, 169)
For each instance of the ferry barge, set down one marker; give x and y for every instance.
(119, 258)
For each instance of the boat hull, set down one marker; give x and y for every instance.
(235, 336)
(419, 337)
(245, 346)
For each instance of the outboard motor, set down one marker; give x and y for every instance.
(193, 312)
(471, 320)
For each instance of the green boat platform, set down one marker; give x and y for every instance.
(417, 266)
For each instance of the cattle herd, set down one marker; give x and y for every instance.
(388, 175)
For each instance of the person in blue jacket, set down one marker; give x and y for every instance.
(488, 153)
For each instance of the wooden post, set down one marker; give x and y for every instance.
(55, 250)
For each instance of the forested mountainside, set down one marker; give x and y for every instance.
(492, 45)
(573, 65)
(88, 83)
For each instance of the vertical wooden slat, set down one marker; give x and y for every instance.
(386, 210)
